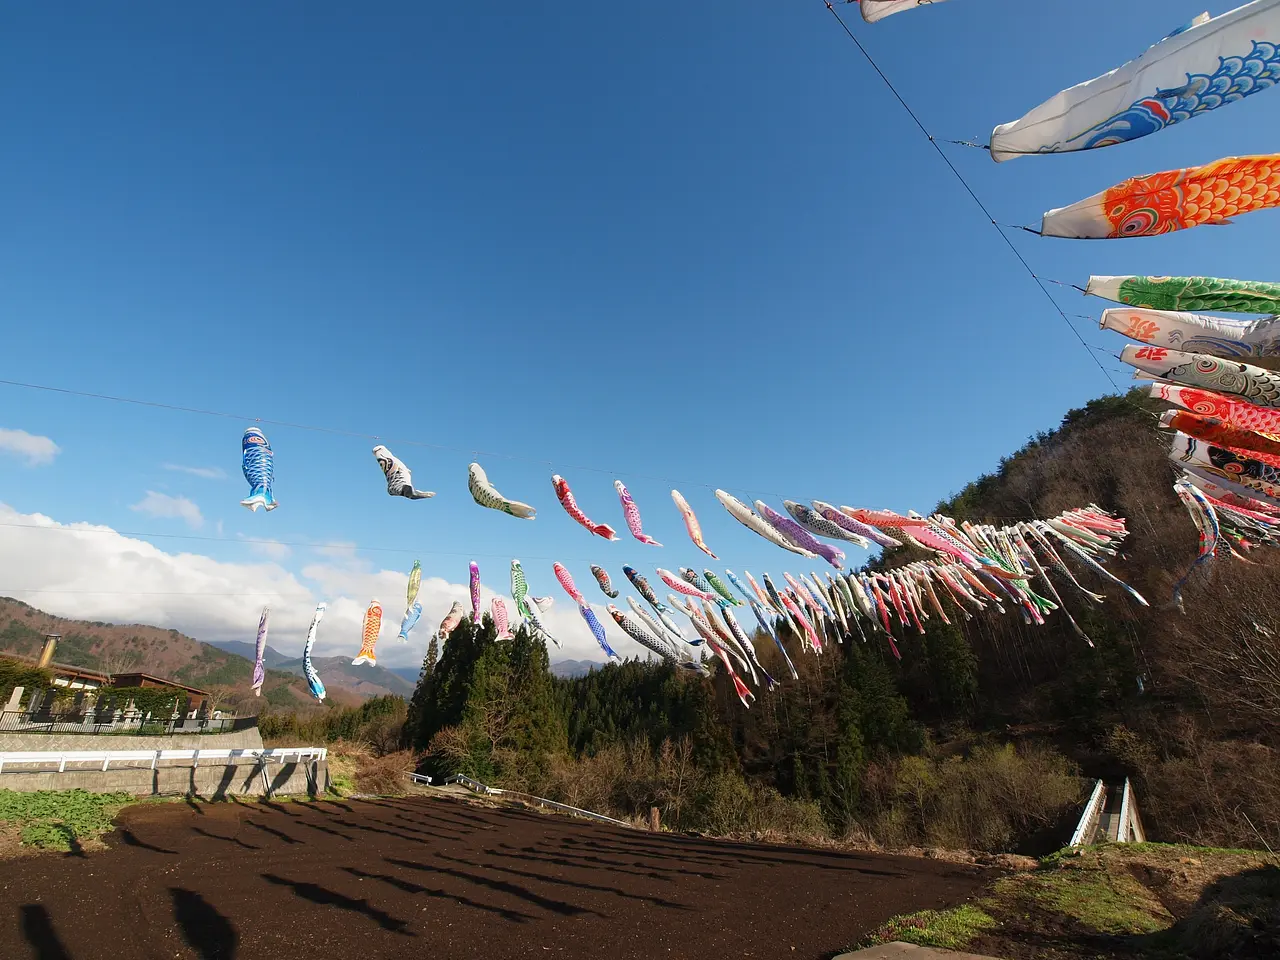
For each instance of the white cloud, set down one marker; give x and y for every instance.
(271, 549)
(92, 572)
(208, 473)
(173, 508)
(36, 450)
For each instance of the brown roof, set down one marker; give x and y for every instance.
(64, 669)
(119, 678)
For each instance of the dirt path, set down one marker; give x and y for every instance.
(441, 879)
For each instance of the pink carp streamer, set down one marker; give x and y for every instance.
(500, 622)
(566, 581)
(691, 523)
(688, 589)
(632, 514)
(565, 496)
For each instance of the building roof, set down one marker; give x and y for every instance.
(118, 681)
(64, 669)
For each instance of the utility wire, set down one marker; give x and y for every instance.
(969, 190)
(337, 431)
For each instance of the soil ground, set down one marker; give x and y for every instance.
(445, 879)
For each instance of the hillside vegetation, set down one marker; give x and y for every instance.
(985, 733)
(112, 648)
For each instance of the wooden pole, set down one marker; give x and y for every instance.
(654, 822)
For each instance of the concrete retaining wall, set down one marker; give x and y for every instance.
(249, 739)
(211, 782)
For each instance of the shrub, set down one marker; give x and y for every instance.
(990, 800)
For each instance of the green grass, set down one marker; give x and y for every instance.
(1110, 902)
(59, 819)
(949, 929)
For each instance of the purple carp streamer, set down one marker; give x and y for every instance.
(798, 535)
(259, 650)
(820, 526)
(475, 591)
(742, 513)
(632, 515)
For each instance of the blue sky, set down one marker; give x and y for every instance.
(691, 242)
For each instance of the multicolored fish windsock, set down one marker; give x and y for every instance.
(874, 10)
(1230, 410)
(450, 621)
(411, 618)
(1195, 333)
(1189, 293)
(260, 648)
(798, 535)
(1218, 432)
(565, 496)
(742, 513)
(691, 523)
(1252, 384)
(415, 584)
(602, 578)
(820, 526)
(1207, 64)
(632, 514)
(680, 586)
(487, 495)
(314, 683)
(1221, 462)
(474, 570)
(369, 634)
(1172, 200)
(399, 478)
(259, 466)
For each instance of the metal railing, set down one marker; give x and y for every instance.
(477, 787)
(33, 761)
(108, 723)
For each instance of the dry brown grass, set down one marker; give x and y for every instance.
(357, 767)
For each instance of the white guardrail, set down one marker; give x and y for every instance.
(477, 787)
(31, 761)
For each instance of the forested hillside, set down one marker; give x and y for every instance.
(977, 737)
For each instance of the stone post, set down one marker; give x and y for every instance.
(15, 700)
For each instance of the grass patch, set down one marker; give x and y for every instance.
(60, 819)
(1105, 901)
(949, 929)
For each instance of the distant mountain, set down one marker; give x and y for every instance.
(363, 680)
(122, 648)
(407, 673)
(270, 656)
(573, 668)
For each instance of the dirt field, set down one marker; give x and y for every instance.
(442, 879)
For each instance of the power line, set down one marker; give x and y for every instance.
(337, 431)
(968, 189)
